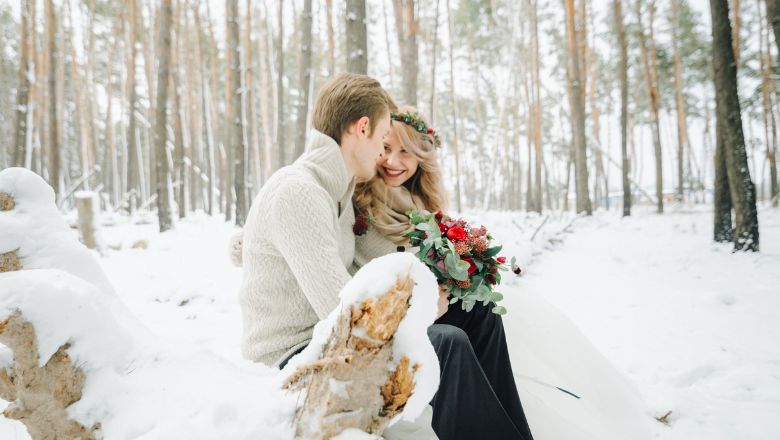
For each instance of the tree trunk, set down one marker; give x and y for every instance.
(281, 114)
(773, 16)
(256, 178)
(723, 230)
(331, 43)
(55, 149)
(406, 26)
(237, 128)
(181, 139)
(357, 39)
(743, 193)
(162, 157)
(432, 107)
(768, 112)
(648, 56)
(304, 80)
(536, 104)
(679, 98)
(23, 114)
(454, 102)
(626, 165)
(133, 152)
(735, 28)
(578, 116)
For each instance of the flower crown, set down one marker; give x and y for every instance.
(418, 124)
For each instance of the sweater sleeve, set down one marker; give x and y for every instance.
(303, 231)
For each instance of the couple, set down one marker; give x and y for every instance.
(366, 157)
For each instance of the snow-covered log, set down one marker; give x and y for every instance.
(371, 359)
(40, 394)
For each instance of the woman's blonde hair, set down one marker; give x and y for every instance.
(426, 183)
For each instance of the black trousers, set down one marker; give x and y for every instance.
(477, 396)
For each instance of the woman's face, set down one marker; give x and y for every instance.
(396, 165)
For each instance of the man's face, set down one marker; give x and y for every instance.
(371, 148)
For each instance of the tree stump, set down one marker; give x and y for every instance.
(40, 395)
(86, 205)
(350, 385)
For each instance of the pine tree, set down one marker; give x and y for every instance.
(162, 155)
(357, 38)
(742, 191)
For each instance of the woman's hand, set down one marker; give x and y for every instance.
(444, 300)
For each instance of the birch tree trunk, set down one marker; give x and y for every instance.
(453, 99)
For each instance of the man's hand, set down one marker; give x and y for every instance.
(444, 301)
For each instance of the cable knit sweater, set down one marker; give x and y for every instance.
(297, 246)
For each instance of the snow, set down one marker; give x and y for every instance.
(636, 316)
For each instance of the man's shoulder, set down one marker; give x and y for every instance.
(289, 183)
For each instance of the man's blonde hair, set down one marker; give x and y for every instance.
(344, 99)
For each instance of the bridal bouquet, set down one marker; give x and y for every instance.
(462, 258)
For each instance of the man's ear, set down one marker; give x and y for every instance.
(363, 127)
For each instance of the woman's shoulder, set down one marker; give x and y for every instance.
(372, 245)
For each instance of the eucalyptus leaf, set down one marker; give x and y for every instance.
(499, 310)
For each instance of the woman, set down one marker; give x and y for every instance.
(477, 397)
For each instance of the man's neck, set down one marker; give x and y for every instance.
(347, 147)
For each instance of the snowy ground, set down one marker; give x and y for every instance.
(688, 323)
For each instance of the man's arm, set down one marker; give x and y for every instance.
(303, 232)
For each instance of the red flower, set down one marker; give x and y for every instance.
(442, 227)
(501, 260)
(439, 215)
(472, 266)
(457, 233)
(490, 279)
(361, 224)
(430, 130)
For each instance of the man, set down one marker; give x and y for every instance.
(298, 240)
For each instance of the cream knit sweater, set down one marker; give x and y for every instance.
(297, 246)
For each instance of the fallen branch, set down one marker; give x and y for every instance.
(664, 418)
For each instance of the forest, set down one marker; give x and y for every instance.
(185, 105)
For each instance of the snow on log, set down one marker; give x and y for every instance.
(36, 232)
(370, 361)
(40, 394)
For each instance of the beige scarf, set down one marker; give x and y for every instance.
(390, 210)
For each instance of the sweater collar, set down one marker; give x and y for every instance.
(323, 158)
